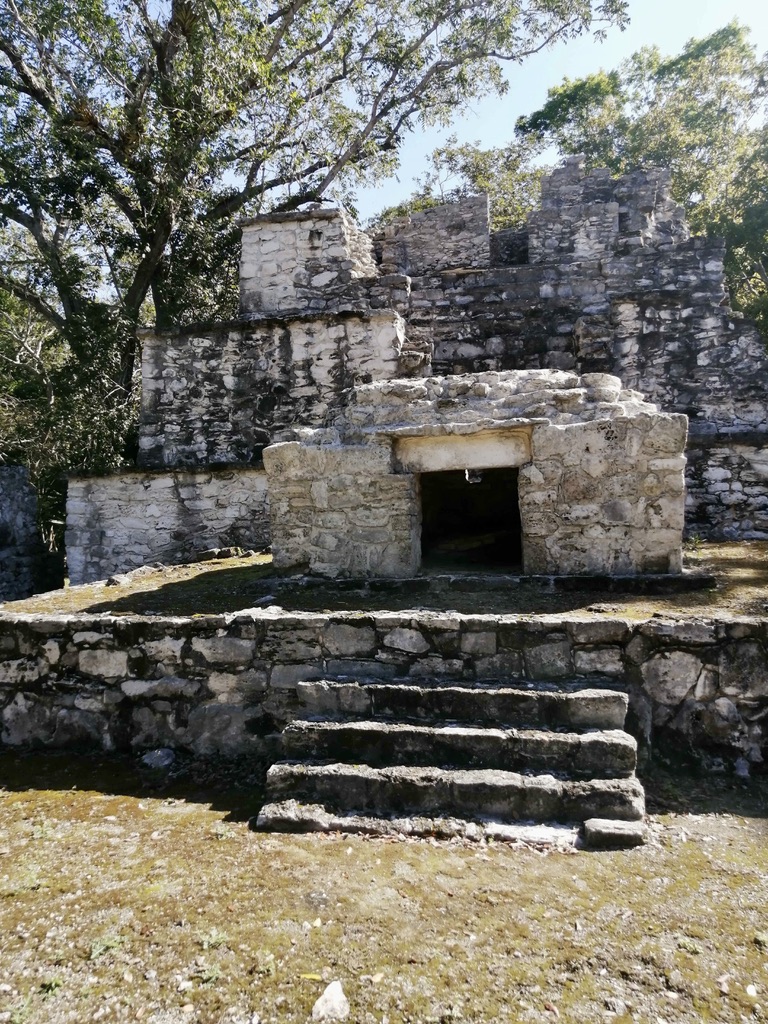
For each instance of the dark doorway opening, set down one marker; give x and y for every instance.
(470, 519)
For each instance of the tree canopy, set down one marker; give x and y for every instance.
(134, 132)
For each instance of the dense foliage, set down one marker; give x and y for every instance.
(133, 133)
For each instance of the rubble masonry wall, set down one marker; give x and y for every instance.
(227, 684)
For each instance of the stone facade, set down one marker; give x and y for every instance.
(228, 684)
(118, 523)
(606, 279)
(600, 482)
(603, 280)
(20, 546)
(303, 262)
(219, 395)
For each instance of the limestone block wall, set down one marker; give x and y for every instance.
(615, 285)
(727, 486)
(648, 216)
(219, 394)
(342, 510)
(120, 522)
(303, 261)
(454, 235)
(226, 684)
(20, 546)
(605, 496)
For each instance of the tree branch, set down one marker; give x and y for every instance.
(32, 299)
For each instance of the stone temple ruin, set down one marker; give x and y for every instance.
(562, 399)
(439, 395)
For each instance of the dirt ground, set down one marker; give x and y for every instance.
(740, 571)
(131, 896)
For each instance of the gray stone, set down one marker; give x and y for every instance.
(163, 757)
(103, 664)
(410, 641)
(347, 641)
(549, 661)
(224, 650)
(167, 686)
(608, 834)
(671, 675)
(744, 670)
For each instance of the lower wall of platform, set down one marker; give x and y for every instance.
(227, 684)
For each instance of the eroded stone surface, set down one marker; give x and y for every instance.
(142, 677)
(20, 548)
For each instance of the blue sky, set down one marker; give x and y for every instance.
(667, 24)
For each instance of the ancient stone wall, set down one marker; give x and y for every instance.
(226, 684)
(20, 546)
(220, 394)
(120, 522)
(308, 261)
(604, 279)
(455, 235)
(615, 285)
(342, 510)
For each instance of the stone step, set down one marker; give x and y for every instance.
(469, 794)
(292, 816)
(601, 754)
(575, 707)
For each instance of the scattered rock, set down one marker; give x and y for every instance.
(742, 767)
(161, 758)
(211, 554)
(332, 1004)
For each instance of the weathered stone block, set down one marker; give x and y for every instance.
(102, 663)
(346, 641)
(744, 670)
(224, 650)
(549, 661)
(671, 675)
(411, 641)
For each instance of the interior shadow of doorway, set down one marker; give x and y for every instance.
(470, 520)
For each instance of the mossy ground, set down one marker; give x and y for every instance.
(128, 896)
(740, 570)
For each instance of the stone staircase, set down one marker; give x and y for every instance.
(431, 757)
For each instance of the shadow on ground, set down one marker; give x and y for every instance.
(236, 787)
(723, 578)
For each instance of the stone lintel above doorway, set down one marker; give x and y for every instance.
(487, 449)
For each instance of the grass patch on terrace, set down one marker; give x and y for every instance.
(740, 571)
(129, 896)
